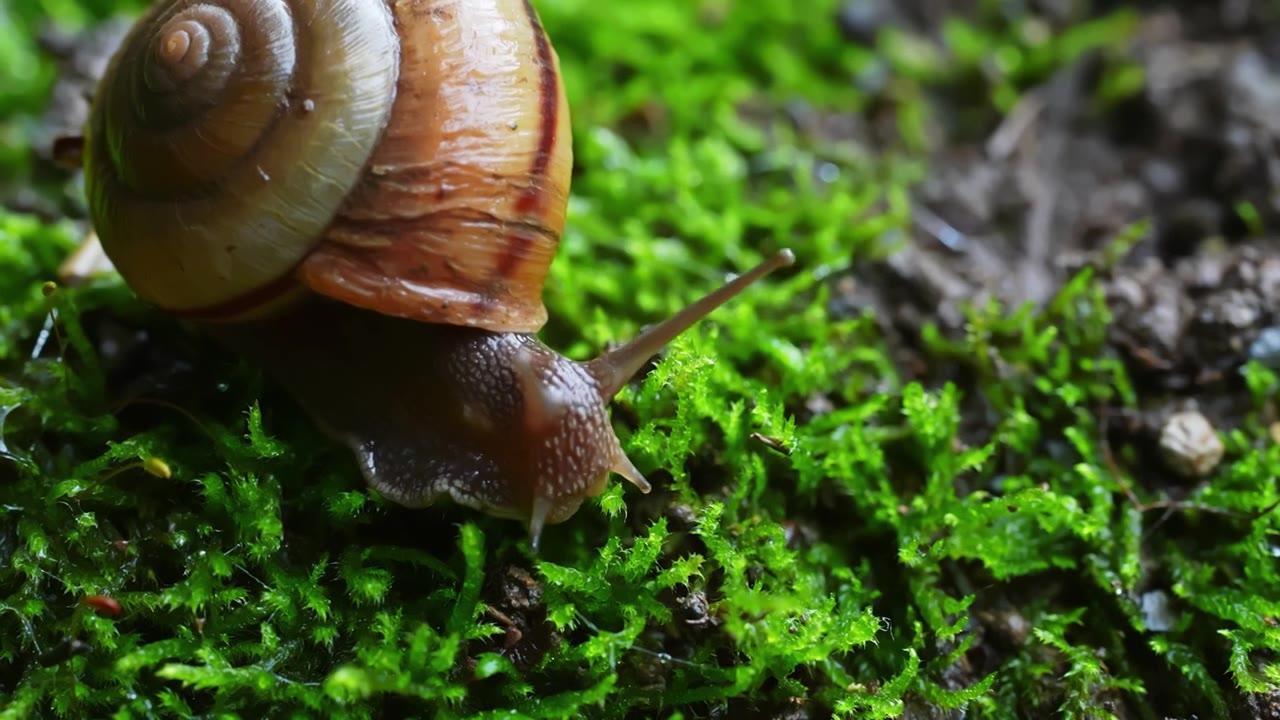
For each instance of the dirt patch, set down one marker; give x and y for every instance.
(1185, 173)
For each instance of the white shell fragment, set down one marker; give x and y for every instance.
(1189, 444)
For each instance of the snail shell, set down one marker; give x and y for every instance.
(388, 154)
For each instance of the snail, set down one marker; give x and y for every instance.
(365, 196)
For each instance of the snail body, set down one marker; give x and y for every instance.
(365, 196)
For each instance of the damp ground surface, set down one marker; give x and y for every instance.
(1002, 443)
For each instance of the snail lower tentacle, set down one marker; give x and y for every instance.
(494, 421)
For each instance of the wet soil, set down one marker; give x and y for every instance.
(1060, 184)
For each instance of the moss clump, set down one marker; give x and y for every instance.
(827, 535)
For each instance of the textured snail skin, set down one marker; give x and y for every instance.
(493, 421)
(409, 157)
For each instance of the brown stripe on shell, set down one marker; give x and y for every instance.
(548, 106)
(361, 235)
(259, 301)
(548, 112)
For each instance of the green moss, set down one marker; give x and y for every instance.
(855, 572)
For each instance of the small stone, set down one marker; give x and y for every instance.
(1265, 348)
(1157, 611)
(694, 609)
(860, 21)
(1189, 444)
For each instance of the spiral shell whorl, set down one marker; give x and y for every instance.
(182, 49)
(226, 134)
(193, 52)
(192, 116)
